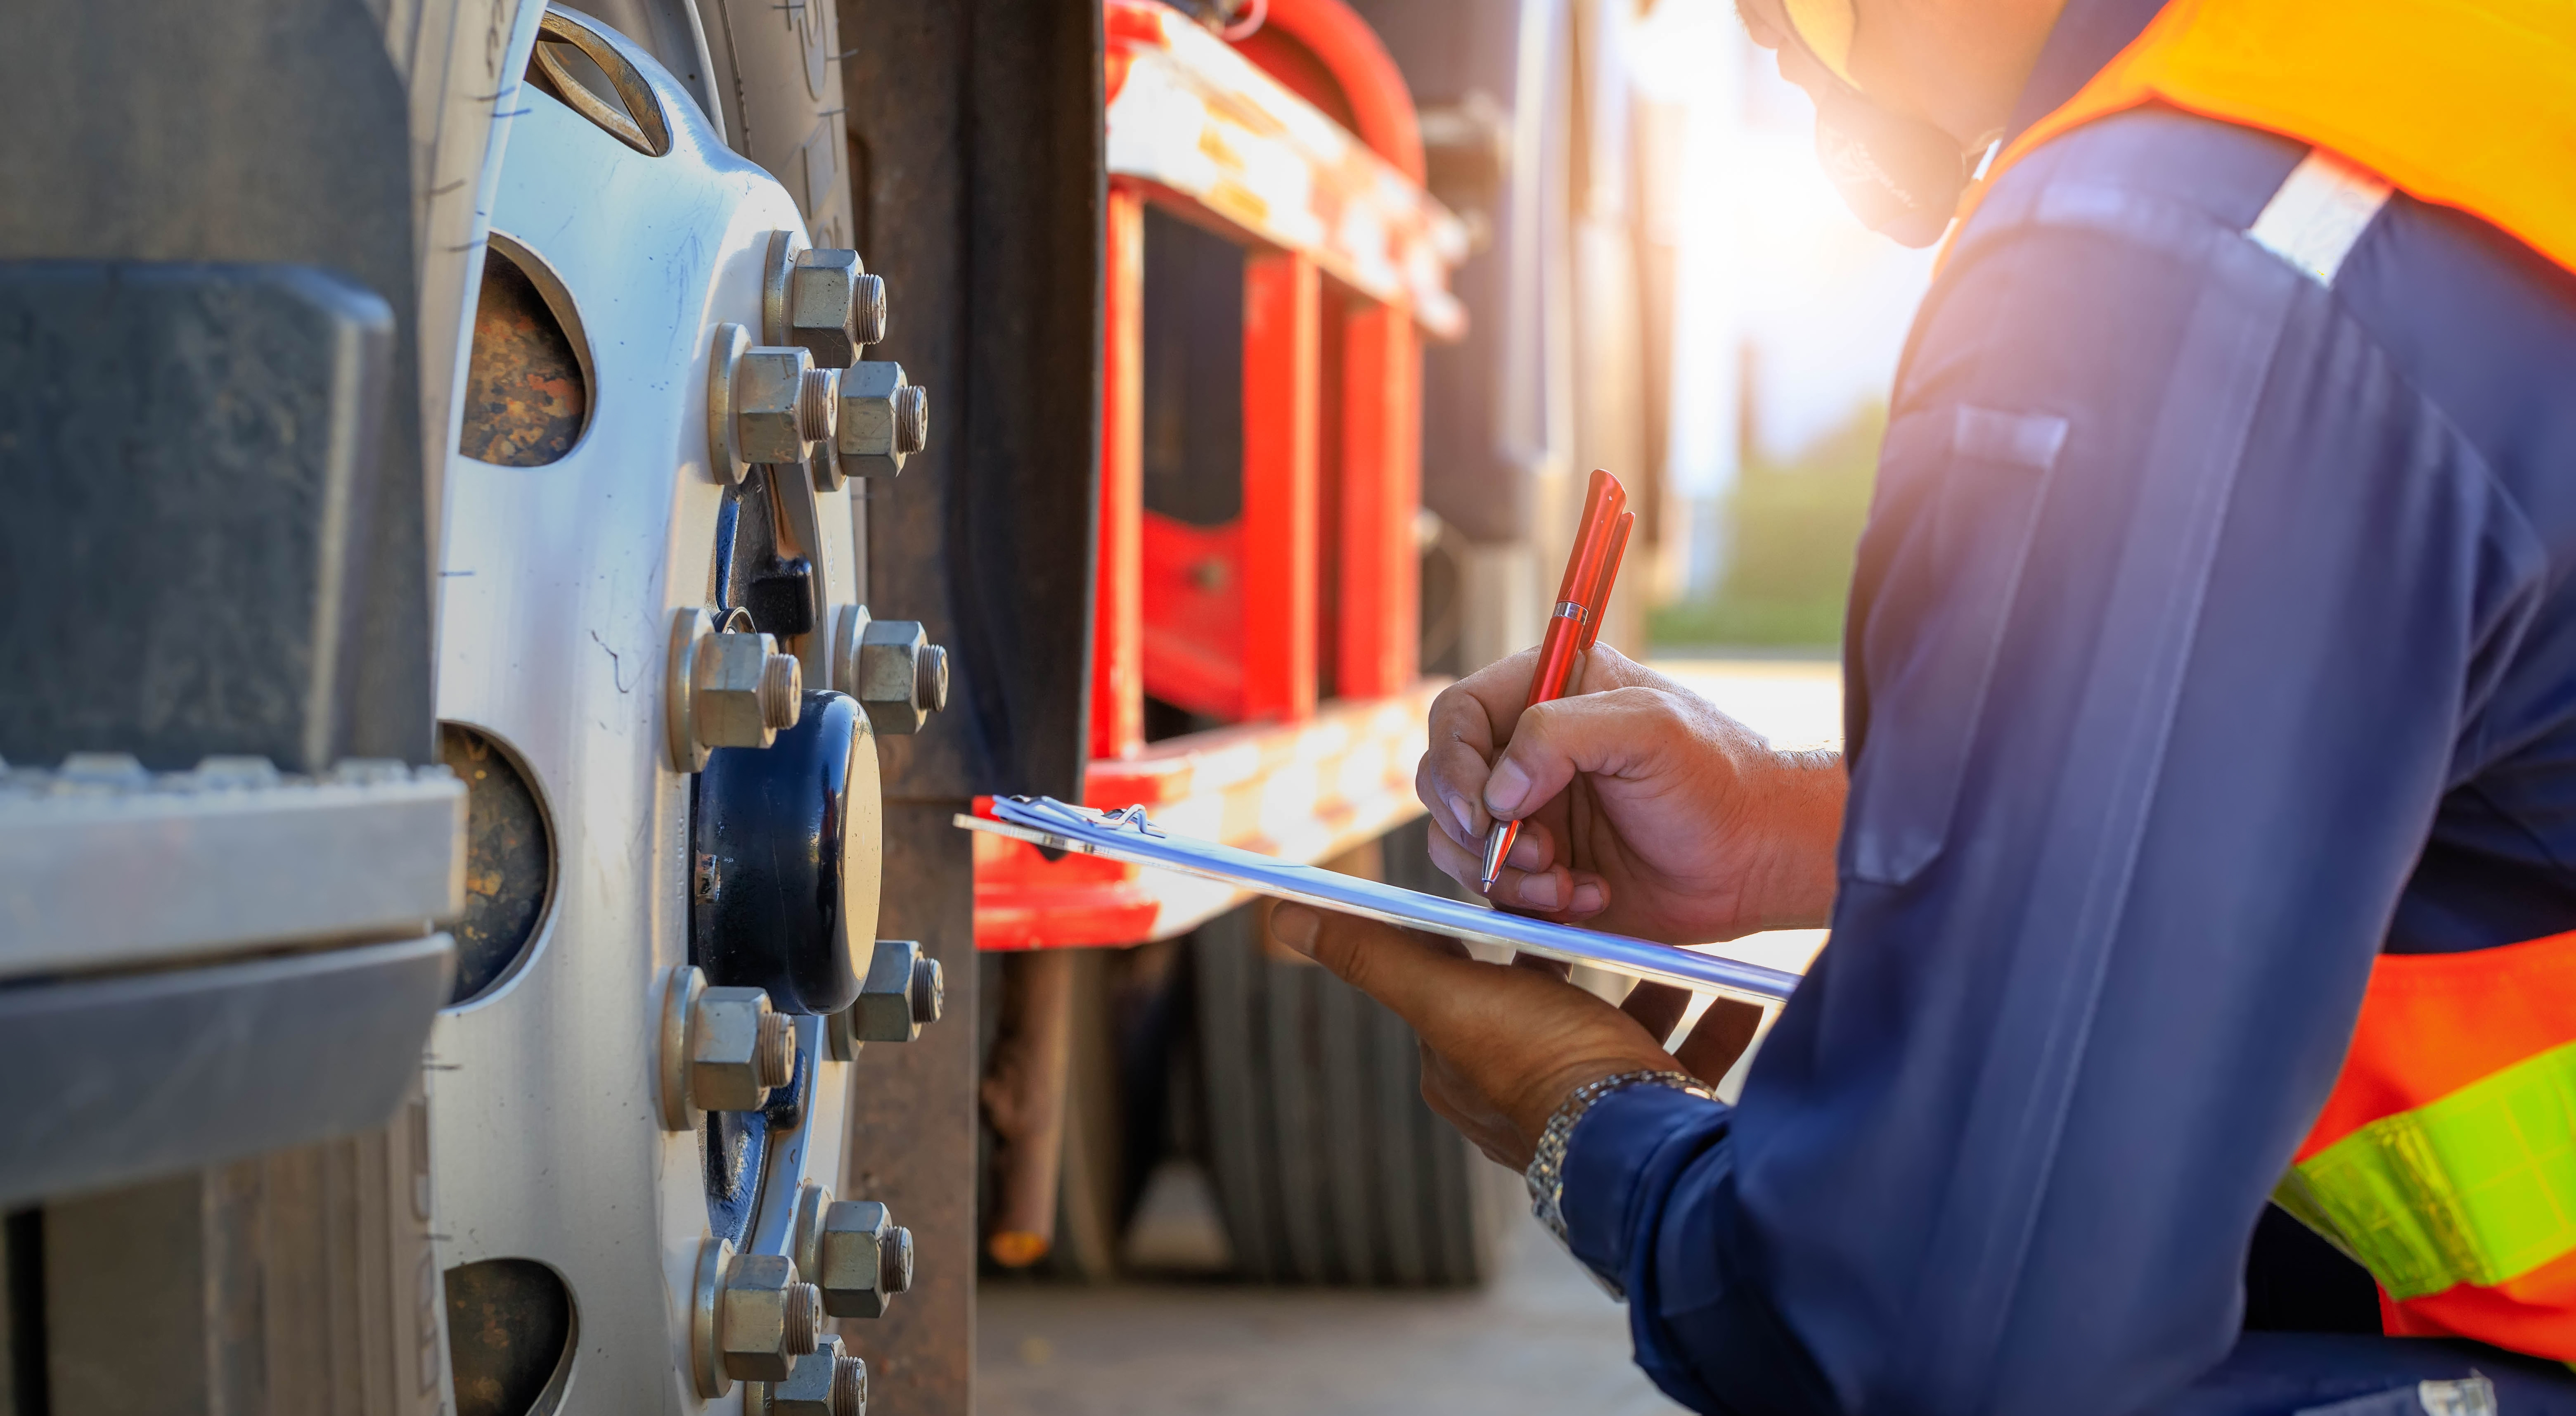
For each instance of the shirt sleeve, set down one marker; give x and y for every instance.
(2172, 605)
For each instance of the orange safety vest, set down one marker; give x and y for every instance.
(2445, 1160)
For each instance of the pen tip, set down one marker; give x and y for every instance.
(1497, 842)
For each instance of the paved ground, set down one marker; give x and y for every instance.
(1542, 1339)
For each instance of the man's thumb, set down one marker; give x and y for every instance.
(1376, 959)
(1297, 927)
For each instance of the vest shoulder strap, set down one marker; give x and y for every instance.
(2461, 103)
(2319, 213)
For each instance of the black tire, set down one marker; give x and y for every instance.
(1329, 1167)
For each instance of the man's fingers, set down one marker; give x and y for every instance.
(1498, 690)
(1718, 1038)
(1469, 721)
(1450, 783)
(1388, 964)
(1553, 890)
(1473, 718)
(1657, 1007)
(1456, 861)
(1605, 733)
(1533, 849)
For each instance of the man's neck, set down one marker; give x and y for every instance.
(2086, 37)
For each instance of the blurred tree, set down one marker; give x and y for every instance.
(1793, 525)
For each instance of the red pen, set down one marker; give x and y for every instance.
(1600, 541)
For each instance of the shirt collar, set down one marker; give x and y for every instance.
(2087, 36)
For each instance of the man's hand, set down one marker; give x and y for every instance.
(1503, 1045)
(1645, 810)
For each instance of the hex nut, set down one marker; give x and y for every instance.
(737, 699)
(880, 425)
(768, 393)
(734, 1049)
(884, 1009)
(765, 1318)
(829, 296)
(825, 1382)
(899, 676)
(865, 1259)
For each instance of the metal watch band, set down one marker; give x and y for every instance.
(1546, 1172)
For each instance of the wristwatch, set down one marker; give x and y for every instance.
(1546, 1172)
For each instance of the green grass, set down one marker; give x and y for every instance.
(1795, 526)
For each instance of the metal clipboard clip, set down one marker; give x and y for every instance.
(1125, 817)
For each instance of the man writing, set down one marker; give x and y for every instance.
(2206, 825)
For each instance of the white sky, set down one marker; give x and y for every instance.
(1770, 258)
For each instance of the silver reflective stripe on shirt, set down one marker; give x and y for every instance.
(2321, 210)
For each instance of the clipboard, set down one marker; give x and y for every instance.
(1128, 836)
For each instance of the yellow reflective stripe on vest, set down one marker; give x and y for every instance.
(2475, 1188)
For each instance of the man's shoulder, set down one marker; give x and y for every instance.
(2154, 157)
(2478, 323)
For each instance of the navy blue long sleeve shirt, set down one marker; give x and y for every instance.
(2212, 633)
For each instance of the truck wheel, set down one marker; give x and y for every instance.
(1329, 1166)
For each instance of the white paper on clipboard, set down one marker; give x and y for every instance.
(1128, 836)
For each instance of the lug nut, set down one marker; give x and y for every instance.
(902, 992)
(832, 306)
(896, 673)
(723, 1049)
(745, 690)
(737, 1049)
(825, 1382)
(863, 1259)
(751, 1318)
(880, 424)
(762, 405)
(765, 1318)
(725, 689)
(769, 393)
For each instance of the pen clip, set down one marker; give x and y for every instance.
(1596, 602)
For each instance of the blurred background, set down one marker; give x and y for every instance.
(1791, 317)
